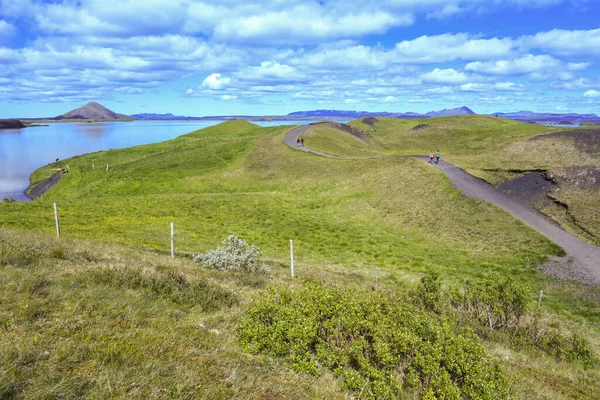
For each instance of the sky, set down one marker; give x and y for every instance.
(225, 57)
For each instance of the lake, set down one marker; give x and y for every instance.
(22, 151)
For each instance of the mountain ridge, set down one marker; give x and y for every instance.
(95, 111)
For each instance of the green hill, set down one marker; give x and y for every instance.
(495, 149)
(347, 217)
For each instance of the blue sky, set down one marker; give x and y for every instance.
(223, 57)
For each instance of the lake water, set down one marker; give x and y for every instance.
(22, 151)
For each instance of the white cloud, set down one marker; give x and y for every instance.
(7, 32)
(486, 87)
(189, 91)
(592, 94)
(519, 66)
(450, 47)
(390, 99)
(577, 84)
(227, 97)
(215, 82)
(307, 23)
(582, 43)
(442, 76)
(440, 90)
(270, 71)
(446, 11)
(578, 66)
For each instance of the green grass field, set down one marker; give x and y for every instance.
(494, 149)
(346, 217)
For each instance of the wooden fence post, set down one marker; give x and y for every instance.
(56, 219)
(172, 240)
(292, 257)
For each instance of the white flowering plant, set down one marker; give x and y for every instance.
(234, 254)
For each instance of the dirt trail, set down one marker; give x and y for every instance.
(583, 259)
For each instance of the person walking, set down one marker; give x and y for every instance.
(302, 142)
(431, 155)
(437, 156)
(298, 142)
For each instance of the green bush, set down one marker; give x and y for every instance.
(378, 345)
(496, 302)
(429, 292)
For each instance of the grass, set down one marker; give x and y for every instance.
(85, 319)
(494, 149)
(346, 218)
(81, 320)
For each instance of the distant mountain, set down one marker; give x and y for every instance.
(350, 114)
(530, 116)
(450, 112)
(93, 110)
(157, 116)
(361, 114)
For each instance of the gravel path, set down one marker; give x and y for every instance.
(583, 259)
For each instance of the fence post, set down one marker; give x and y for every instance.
(540, 298)
(376, 278)
(172, 240)
(93, 166)
(107, 167)
(292, 257)
(56, 219)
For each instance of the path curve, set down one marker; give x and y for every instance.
(585, 257)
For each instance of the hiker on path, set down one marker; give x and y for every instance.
(302, 142)
(431, 155)
(437, 156)
(298, 142)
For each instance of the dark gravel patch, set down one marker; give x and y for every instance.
(418, 127)
(531, 189)
(371, 121)
(348, 129)
(586, 140)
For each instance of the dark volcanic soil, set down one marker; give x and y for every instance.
(586, 140)
(371, 121)
(419, 127)
(353, 131)
(530, 189)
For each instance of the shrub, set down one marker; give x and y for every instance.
(429, 292)
(501, 304)
(496, 302)
(376, 344)
(234, 254)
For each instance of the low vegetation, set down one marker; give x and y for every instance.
(132, 322)
(83, 319)
(234, 254)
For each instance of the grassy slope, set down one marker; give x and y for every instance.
(87, 320)
(549, 153)
(346, 216)
(488, 147)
